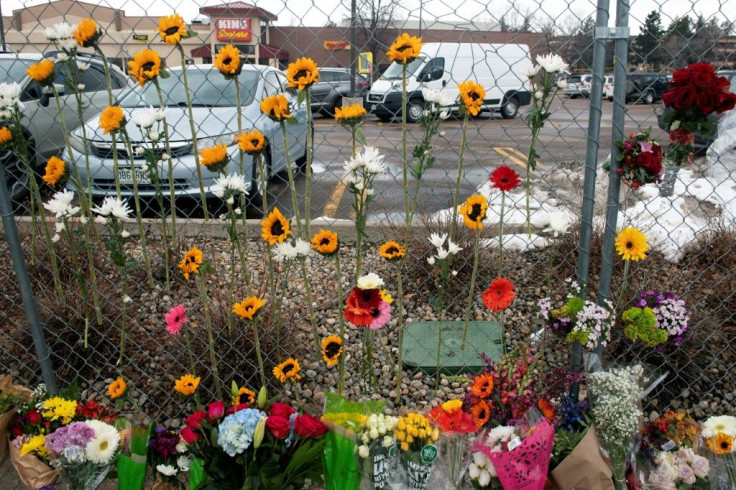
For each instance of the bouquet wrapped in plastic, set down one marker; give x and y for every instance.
(168, 456)
(11, 396)
(719, 433)
(377, 450)
(456, 429)
(416, 437)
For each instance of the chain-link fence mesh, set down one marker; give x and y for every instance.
(691, 233)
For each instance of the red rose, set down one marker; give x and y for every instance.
(308, 426)
(236, 408)
(726, 101)
(669, 96)
(215, 410)
(706, 102)
(34, 416)
(682, 136)
(650, 162)
(17, 431)
(280, 410)
(681, 76)
(702, 75)
(686, 97)
(190, 436)
(194, 421)
(278, 426)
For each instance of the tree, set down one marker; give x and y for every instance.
(516, 21)
(576, 42)
(647, 43)
(375, 22)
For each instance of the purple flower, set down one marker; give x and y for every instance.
(164, 442)
(76, 434)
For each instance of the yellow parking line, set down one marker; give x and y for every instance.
(515, 156)
(333, 202)
(523, 156)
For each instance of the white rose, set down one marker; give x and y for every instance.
(484, 479)
(473, 471)
(480, 459)
(370, 281)
(363, 451)
(687, 474)
(701, 466)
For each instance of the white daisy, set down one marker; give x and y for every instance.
(112, 206)
(61, 204)
(302, 247)
(552, 63)
(724, 423)
(284, 251)
(166, 469)
(103, 447)
(144, 118)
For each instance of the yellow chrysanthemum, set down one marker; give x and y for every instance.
(187, 384)
(473, 211)
(287, 370)
(117, 388)
(471, 95)
(42, 72)
(87, 33)
(55, 171)
(191, 262)
(331, 350)
(35, 445)
(245, 395)
(5, 135)
(228, 60)
(57, 408)
(214, 157)
(386, 296)
(302, 73)
(248, 308)
(325, 242)
(276, 107)
(350, 114)
(172, 29)
(145, 66)
(275, 228)
(405, 49)
(252, 142)
(391, 250)
(720, 444)
(112, 119)
(631, 244)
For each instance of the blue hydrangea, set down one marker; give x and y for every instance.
(236, 430)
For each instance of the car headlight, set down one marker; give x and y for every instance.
(77, 142)
(224, 139)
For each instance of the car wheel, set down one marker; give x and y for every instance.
(16, 176)
(574, 96)
(255, 196)
(414, 111)
(649, 97)
(330, 111)
(510, 108)
(384, 118)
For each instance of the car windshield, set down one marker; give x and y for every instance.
(208, 88)
(573, 79)
(394, 71)
(13, 70)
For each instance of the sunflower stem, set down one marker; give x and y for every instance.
(80, 112)
(292, 185)
(308, 164)
(124, 316)
(400, 325)
(471, 294)
(310, 305)
(340, 306)
(456, 193)
(77, 269)
(404, 159)
(170, 163)
(210, 336)
(259, 354)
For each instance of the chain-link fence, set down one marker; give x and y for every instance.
(691, 233)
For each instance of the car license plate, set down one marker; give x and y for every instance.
(125, 176)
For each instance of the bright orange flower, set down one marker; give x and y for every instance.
(499, 295)
(482, 385)
(481, 413)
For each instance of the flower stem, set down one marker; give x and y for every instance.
(500, 235)
(124, 316)
(310, 305)
(404, 159)
(259, 354)
(340, 306)
(443, 288)
(210, 336)
(531, 163)
(456, 194)
(292, 185)
(623, 284)
(471, 294)
(308, 165)
(170, 163)
(400, 325)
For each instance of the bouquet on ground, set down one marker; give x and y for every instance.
(641, 159)
(416, 437)
(456, 426)
(719, 433)
(681, 469)
(168, 456)
(11, 397)
(658, 319)
(377, 449)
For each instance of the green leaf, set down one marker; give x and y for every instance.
(191, 33)
(164, 74)
(301, 96)
(360, 135)
(292, 120)
(206, 268)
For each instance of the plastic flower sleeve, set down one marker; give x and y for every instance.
(132, 467)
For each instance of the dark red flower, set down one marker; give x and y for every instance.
(650, 162)
(499, 295)
(681, 76)
(195, 420)
(215, 411)
(278, 426)
(280, 410)
(190, 436)
(34, 417)
(726, 101)
(308, 426)
(360, 305)
(505, 179)
(16, 430)
(706, 102)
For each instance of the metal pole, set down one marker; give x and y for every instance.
(21, 273)
(2, 28)
(353, 47)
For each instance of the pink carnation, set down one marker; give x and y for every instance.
(175, 319)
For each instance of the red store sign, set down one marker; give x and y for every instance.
(233, 30)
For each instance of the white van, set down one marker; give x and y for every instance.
(499, 68)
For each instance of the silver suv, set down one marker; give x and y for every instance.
(40, 115)
(333, 85)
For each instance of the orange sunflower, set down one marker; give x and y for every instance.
(331, 350)
(228, 61)
(275, 228)
(56, 171)
(251, 142)
(112, 119)
(187, 384)
(276, 107)
(481, 413)
(391, 250)
(145, 66)
(5, 135)
(474, 211)
(472, 96)
(287, 370)
(248, 308)
(482, 385)
(215, 158)
(405, 49)
(325, 242)
(720, 444)
(87, 33)
(191, 262)
(245, 395)
(302, 73)
(117, 388)
(172, 29)
(350, 115)
(42, 72)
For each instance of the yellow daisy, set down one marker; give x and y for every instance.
(405, 49)
(631, 244)
(302, 73)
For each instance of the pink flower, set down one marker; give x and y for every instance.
(381, 315)
(175, 319)
(645, 146)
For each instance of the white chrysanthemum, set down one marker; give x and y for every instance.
(561, 84)
(80, 87)
(725, 424)
(55, 238)
(125, 234)
(431, 260)
(183, 462)
(302, 247)
(453, 247)
(538, 95)
(372, 160)
(437, 240)
(532, 72)
(353, 164)
(82, 66)
(166, 470)
(153, 134)
(284, 251)
(182, 447)
(363, 451)
(62, 57)
(9, 93)
(370, 281)
(498, 436)
(552, 63)
(145, 118)
(442, 253)
(103, 447)
(161, 113)
(112, 206)
(61, 204)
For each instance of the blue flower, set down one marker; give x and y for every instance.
(236, 430)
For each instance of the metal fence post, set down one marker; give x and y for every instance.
(21, 273)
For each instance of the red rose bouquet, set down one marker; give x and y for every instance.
(641, 159)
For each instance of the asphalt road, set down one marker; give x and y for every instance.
(492, 141)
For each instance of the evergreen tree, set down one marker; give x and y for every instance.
(647, 43)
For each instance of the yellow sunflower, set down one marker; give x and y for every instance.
(214, 158)
(191, 262)
(56, 172)
(248, 308)
(252, 142)
(112, 119)
(325, 242)
(87, 33)
(720, 444)
(42, 72)
(331, 350)
(472, 96)
(302, 73)
(5, 135)
(287, 370)
(631, 244)
(245, 395)
(349, 115)
(117, 388)
(275, 228)
(405, 49)
(228, 61)
(474, 211)
(391, 250)
(276, 107)
(145, 66)
(187, 384)
(172, 29)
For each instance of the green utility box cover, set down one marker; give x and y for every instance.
(421, 339)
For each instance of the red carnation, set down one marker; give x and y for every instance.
(34, 417)
(195, 420)
(280, 410)
(278, 427)
(505, 179)
(190, 436)
(308, 426)
(499, 295)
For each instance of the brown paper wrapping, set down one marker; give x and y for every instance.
(7, 386)
(584, 468)
(31, 470)
(162, 485)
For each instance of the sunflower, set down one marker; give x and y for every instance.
(499, 295)
(302, 73)
(405, 49)
(472, 96)
(350, 115)
(392, 251)
(505, 179)
(482, 385)
(42, 72)
(631, 244)
(215, 158)
(481, 413)
(546, 408)
(276, 107)
(252, 142)
(5, 135)
(275, 228)
(331, 350)
(117, 388)
(145, 66)
(191, 262)
(187, 384)
(250, 397)
(56, 172)
(87, 33)
(287, 370)
(112, 119)
(172, 29)
(228, 61)
(248, 308)
(325, 242)
(720, 444)
(474, 211)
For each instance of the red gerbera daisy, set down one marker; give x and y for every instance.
(499, 295)
(361, 305)
(505, 179)
(451, 418)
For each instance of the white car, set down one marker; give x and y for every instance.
(608, 87)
